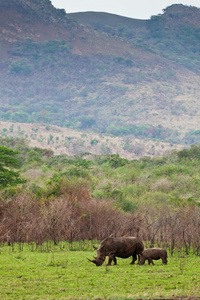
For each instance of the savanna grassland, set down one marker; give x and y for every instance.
(63, 272)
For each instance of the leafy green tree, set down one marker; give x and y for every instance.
(34, 157)
(8, 162)
(116, 161)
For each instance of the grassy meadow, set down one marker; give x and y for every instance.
(63, 272)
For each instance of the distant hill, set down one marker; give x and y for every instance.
(72, 142)
(175, 34)
(102, 73)
(101, 21)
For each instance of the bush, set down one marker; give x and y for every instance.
(34, 157)
(115, 161)
(128, 206)
(94, 141)
(21, 117)
(20, 67)
(87, 122)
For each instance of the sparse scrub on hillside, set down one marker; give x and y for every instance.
(137, 148)
(94, 141)
(57, 72)
(20, 67)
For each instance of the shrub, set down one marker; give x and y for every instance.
(34, 157)
(20, 67)
(115, 161)
(94, 141)
(128, 206)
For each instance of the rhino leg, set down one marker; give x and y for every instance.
(115, 260)
(164, 261)
(111, 258)
(150, 261)
(134, 258)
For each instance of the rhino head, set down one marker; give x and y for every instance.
(99, 259)
(141, 259)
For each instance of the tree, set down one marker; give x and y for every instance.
(8, 162)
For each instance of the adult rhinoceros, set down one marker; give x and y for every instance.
(113, 247)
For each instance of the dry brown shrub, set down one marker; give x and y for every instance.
(76, 216)
(175, 227)
(75, 189)
(101, 218)
(59, 217)
(18, 218)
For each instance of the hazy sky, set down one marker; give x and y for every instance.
(137, 9)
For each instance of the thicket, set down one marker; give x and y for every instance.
(91, 197)
(74, 215)
(144, 131)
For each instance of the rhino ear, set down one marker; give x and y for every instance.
(95, 247)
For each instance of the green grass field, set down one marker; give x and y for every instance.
(63, 272)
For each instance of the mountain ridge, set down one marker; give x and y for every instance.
(110, 77)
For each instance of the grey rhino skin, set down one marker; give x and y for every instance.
(153, 253)
(113, 247)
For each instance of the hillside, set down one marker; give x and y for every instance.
(174, 34)
(116, 76)
(71, 142)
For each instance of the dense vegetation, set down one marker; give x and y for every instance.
(85, 197)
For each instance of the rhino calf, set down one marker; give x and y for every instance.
(153, 254)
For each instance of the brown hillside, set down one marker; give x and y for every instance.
(133, 79)
(71, 142)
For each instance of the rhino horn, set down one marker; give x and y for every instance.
(93, 261)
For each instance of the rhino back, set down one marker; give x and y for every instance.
(122, 247)
(154, 253)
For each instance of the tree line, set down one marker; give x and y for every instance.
(70, 209)
(75, 216)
